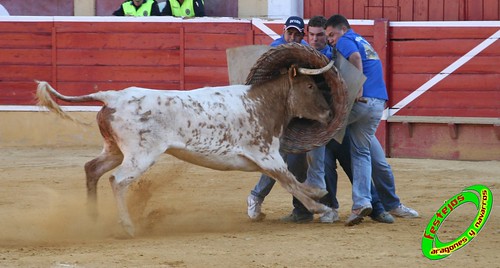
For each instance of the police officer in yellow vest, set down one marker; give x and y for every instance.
(184, 8)
(138, 8)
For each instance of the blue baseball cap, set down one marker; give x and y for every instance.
(295, 22)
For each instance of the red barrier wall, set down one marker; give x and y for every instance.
(406, 10)
(456, 116)
(80, 56)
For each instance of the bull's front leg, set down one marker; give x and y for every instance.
(304, 193)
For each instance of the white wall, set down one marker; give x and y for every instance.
(252, 8)
(282, 9)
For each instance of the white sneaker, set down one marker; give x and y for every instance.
(254, 205)
(329, 217)
(404, 212)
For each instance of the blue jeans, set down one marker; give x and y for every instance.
(341, 152)
(383, 178)
(363, 122)
(308, 167)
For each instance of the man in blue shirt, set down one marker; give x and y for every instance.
(366, 111)
(293, 32)
(364, 119)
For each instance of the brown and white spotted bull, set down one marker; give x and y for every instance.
(224, 128)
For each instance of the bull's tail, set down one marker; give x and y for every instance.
(44, 93)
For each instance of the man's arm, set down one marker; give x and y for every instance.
(355, 59)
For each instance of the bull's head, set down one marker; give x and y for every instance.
(306, 100)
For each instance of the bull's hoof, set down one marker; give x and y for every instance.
(260, 217)
(129, 230)
(122, 235)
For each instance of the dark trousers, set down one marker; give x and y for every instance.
(334, 152)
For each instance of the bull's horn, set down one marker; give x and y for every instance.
(316, 71)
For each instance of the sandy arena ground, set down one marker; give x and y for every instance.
(196, 217)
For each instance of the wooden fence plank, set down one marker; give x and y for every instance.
(358, 9)
(436, 10)
(216, 28)
(492, 10)
(39, 27)
(474, 10)
(331, 8)
(406, 10)
(315, 8)
(18, 92)
(374, 10)
(307, 12)
(25, 40)
(116, 27)
(447, 111)
(25, 56)
(429, 33)
(453, 10)
(420, 10)
(346, 8)
(118, 40)
(80, 88)
(213, 41)
(207, 76)
(113, 57)
(471, 99)
(262, 40)
(276, 27)
(365, 30)
(216, 58)
(25, 73)
(391, 13)
(118, 73)
(456, 82)
(441, 48)
(418, 65)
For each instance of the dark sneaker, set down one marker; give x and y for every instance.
(384, 217)
(298, 218)
(357, 215)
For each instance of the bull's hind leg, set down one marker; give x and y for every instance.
(109, 158)
(132, 167)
